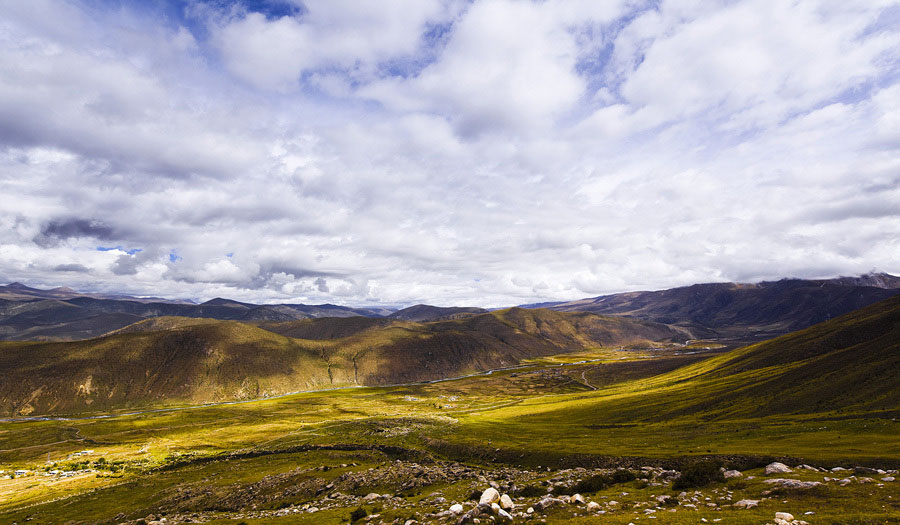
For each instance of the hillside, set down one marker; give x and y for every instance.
(424, 312)
(735, 310)
(846, 365)
(174, 359)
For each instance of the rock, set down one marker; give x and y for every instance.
(593, 506)
(504, 516)
(888, 478)
(729, 474)
(456, 508)
(495, 508)
(793, 483)
(808, 467)
(865, 471)
(506, 503)
(371, 496)
(747, 503)
(786, 516)
(489, 496)
(410, 522)
(529, 510)
(577, 499)
(838, 469)
(777, 468)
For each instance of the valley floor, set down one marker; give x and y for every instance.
(616, 427)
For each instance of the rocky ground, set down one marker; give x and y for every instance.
(453, 493)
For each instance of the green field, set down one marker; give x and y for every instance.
(826, 396)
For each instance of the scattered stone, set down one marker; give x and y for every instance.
(777, 468)
(506, 503)
(504, 516)
(747, 503)
(730, 474)
(786, 516)
(838, 469)
(577, 499)
(593, 506)
(371, 496)
(456, 508)
(888, 478)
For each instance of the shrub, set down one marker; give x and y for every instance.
(531, 491)
(698, 474)
(358, 514)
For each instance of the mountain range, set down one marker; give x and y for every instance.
(707, 310)
(743, 310)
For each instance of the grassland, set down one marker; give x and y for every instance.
(528, 426)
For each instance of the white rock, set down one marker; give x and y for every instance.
(456, 508)
(747, 503)
(838, 469)
(504, 515)
(577, 499)
(506, 502)
(529, 510)
(489, 496)
(593, 506)
(888, 478)
(786, 516)
(777, 468)
(371, 496)
(729, 474)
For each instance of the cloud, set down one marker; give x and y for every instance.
(488, 152)
(72, 267)
(59, 230)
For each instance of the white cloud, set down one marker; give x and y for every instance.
(515, 151)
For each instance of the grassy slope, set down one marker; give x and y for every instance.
(178, 360)
(831, 389)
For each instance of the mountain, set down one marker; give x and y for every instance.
(178, 359)
(424, 312)
(733, 309)
(61, 314)
(18, 291)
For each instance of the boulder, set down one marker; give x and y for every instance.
(489, 496)
(747, 503)
(793, 483)
(495, 508)
(593, 506)
(506, 503)
(577, 499)
(777, 468)
(729, 474)
(786, 516)
(888, 478)
(456, 508)
(502, 515)
(371, 496)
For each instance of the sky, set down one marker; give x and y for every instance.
(486, 152)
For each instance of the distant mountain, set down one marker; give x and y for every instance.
(18, 292)
(177, 359)
(424, 312)
(61, 314)
(733, 309)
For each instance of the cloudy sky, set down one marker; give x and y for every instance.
(485, 152)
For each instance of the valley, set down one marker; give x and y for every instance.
(612, 424)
